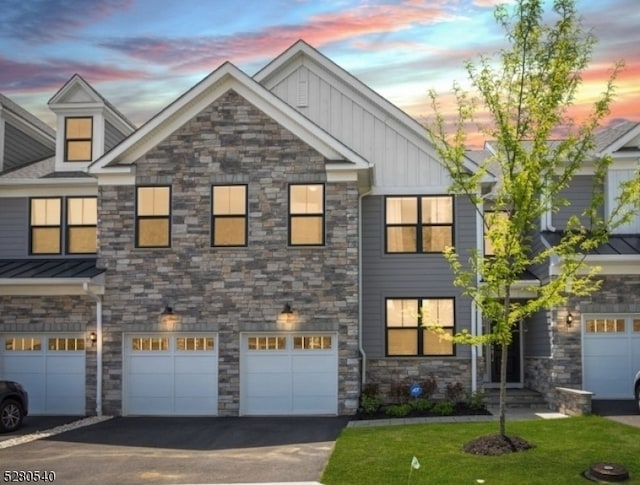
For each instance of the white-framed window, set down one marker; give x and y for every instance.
(265, 342)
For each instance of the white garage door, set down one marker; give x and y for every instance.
(171, 374)
(51, 368)
(611, 355)
(289, 374)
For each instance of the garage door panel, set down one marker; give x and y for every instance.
(54, 379)
(294, 379)
(173, 379)
(151, 364)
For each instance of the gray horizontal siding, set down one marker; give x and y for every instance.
(20, 149)
(408, 275)
(111, 136)
(14, 218)
(536, 338)
(578, 194)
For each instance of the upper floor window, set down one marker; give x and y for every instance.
(306, 214)
(82, 219)
(491, 218)
(229, 215)
(80, 216)
(419, 224)
(46, 227)
(408, 326)
(78, 139)
(153, 228)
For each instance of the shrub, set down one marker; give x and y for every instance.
(371, 389)
(475, 400)
(400, 391)
(370, 404)
(454, 392)
(421, 404)
(429, 386)
(443, 408)
(398, 410)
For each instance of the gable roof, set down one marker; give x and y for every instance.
(612, 139)
(25, 116)
(301, 53)
(77, 90)
(226, 77)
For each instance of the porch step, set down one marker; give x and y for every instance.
(516, 398)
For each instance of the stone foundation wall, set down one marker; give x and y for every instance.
(386, 372)
(231, 290)
(537, 377)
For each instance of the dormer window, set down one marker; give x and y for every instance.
(78, 139)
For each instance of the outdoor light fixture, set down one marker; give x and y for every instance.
(569, 319)
(168, 318)
(287, 309)
(93, 337)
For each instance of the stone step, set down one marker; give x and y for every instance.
(516, 398)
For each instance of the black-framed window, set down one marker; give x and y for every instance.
(153, 216)
(408, 322)
(78, 139)
(45, 225)
(306, 214)
(229, 215)
(82, 220)
(418, 224)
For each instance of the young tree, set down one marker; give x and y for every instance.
(528, 90)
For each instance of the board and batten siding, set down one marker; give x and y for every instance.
(408, 275)
(400, 162)
(537, 342)
(14, 238)
(578, 194)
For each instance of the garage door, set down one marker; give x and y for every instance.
(51, 368)
(171, 374)
(289, 374)
(611, 355)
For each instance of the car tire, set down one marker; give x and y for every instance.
(638, 397)
(10, 415)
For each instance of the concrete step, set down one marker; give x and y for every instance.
(516, 398)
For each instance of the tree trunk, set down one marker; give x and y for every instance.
(503, 388)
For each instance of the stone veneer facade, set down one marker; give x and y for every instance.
(563, 368)
(230, 290)
(55, 314)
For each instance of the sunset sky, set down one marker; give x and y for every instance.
(142, 54)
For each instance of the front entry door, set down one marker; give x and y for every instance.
(514, 360)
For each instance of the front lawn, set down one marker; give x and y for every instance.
(564, 448)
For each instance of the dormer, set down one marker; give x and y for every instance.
(87, 125)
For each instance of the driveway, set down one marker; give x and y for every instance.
(623, 411)
(183, 450)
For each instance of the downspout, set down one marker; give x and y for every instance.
(98, 299)
(363, 376)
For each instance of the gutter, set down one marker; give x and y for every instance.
(363, 374)
(98, 299)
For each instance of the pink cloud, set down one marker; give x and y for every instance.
(208, 52)
(50, 76)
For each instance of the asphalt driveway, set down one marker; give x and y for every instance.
(183, 450)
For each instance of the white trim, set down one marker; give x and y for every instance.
(31, 189)
(610, 264)
(127, 178)
(434, 190)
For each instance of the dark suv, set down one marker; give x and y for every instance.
(14, 405)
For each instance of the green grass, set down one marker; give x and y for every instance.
(564, 448)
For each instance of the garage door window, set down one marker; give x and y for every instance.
(66, 344)
(606, 325)
(267, 343)
(22, 344)
(186, 344)
(312, 342)
(149, 344)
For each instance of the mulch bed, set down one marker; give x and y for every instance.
(460, 409)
